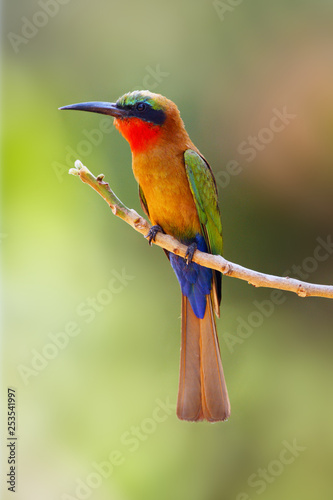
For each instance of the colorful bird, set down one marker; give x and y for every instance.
(178, 193)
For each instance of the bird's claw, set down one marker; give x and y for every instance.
(151, 235)
(190, 252)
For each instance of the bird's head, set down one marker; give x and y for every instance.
(141, 116)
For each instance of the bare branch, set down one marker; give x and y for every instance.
(217, 262)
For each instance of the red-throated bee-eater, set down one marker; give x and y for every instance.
(178, 193)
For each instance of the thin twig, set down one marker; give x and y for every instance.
(217, 262)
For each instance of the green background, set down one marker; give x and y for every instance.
(227, 68)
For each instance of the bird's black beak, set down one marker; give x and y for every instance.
(105, 108)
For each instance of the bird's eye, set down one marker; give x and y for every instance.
(141, 106)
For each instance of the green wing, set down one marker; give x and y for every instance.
(203, 188)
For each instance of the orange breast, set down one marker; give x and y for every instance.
(158, 166)
(162, 177)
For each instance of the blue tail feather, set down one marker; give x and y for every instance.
(195, 281)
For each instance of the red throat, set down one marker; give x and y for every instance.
(139, 133)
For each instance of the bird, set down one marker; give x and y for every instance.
(178, 193)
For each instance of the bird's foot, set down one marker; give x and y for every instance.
(151, 235)
(190, 252)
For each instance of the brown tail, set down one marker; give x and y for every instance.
(202, 391)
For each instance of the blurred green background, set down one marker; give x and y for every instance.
(230, 67)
